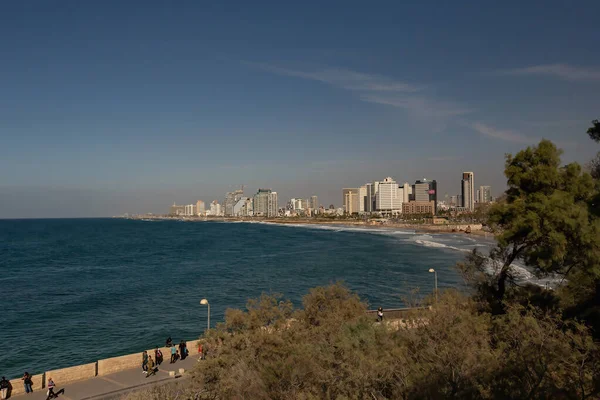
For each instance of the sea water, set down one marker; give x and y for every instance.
(74, 291)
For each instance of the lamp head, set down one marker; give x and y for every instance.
(204, 302)
(431, 270)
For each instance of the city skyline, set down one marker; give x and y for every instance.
(182, 103)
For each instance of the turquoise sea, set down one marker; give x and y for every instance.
(77, 290)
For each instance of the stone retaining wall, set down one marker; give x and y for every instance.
(104, 367)
(72, 374)
(18, 388)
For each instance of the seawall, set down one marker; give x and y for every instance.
(107, 366)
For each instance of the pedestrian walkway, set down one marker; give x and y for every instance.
(101, 387)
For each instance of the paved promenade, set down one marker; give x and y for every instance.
(114, 385)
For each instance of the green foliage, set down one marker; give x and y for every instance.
(594, 131)
(450, 351)
(545, 221)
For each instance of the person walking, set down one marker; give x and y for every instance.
(380, 314)
(27, 382)
(151, 367)
(145, 362)
(50, 387)
(158, 356)
(4, 385)
(173, 352)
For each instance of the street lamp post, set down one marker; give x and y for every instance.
(435, 279)
(204, 302)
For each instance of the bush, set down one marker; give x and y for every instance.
(331, 350)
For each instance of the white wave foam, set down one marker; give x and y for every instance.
(338, 228)
(429, 243)
(422, 237)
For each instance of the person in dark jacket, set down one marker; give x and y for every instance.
(145, 362)
(4, 386)
(27, 382)
(181, 350)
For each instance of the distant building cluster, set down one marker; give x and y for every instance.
(263, 203)
(386, 198)
(469, 198)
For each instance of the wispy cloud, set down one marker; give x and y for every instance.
(420, 105)
(378, 89)
(506, 135)
(562, 71)
(346, 79)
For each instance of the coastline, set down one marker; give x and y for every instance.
(475, 229)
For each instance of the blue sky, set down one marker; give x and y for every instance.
(122, 106)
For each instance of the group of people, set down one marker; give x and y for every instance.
(28, 386)
(177, 354)
(150, 366)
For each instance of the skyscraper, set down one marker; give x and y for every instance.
(314, 202)
(265, 203)
(362, 194)
(406, 192)
(190, 210)
(215, 209)
(368, 200)
(374, 191)
(231, 200)
(425, 190)
(389, 197)
(200, 207)
(468, 191)
(350, 200)
(485, 194)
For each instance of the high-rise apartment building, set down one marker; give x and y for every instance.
(314, 202)
(389, 196)
(190, 210)
(424, 191)
(468, 191)
(485, 194)
(350, 200)
(231, 200)
(243, 208)
(215, 209)
(369, 196)
(406, 192)
(265, 203)
(200, 210)
(375, 190)
(362, 194)
(421, 191)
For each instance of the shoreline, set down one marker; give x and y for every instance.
(476, 229)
